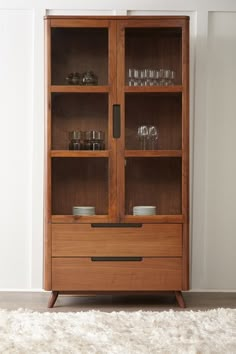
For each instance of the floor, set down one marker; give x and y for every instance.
(37, 301)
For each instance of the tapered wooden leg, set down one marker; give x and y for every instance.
(180, 299)
(53, 299)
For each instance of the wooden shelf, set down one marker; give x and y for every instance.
(154, 89)
(68, 219)
(74, 219)
(153, 153)
(174, 219)
(79, 153)
(79, 89)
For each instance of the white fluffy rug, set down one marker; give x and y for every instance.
(26, 332)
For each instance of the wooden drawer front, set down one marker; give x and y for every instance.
(148, 274)
(148, 240)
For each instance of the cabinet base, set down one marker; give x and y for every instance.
(54, 295)
(53, 299)
(180, 299)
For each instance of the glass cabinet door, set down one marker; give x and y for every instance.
(151, 74)
(78, 51)
(81, 94)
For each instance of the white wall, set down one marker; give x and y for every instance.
(213, 123)
(16, 64)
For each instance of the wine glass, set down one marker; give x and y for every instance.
(152, 137)
(143, 135)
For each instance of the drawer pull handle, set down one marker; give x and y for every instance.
(116, 259)
(116, 225)
(116, 121)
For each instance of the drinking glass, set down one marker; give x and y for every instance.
(143, 135)
(152, 137)
(172, 77)
(131, 77)
(137, 77)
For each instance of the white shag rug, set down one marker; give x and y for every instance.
(26, 332)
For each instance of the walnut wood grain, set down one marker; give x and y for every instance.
(65, 18)
(185, 158)
(80, 153)
(153, 153)
(78, 219)
(80, 49)
(149, 274)
(160, 110)
(180, 299)
(112, 168)
(53, 299)
(78, 111)
(79, 182)
(79, 89)
(161, 219)
(153, 181)
(47, 264)
(148, 240)
(120, 177)
(154, 89)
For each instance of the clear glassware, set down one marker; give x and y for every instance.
(161, 77)
(156, 81)
(143, 136)
(152, 137)
(137, 80)
(172, 77)
(131, 76)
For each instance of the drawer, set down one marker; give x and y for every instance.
(150, 274)
(73, 240)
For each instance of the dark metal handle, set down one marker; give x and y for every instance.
(116, 259)
(116, 121)
(116, 225)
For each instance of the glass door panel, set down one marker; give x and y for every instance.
(153, 121)
(79, 50)
(79, 182)
(78, 112)
(153, 182)
(81, 93)
(153, 56)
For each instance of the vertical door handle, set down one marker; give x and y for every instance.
(116, 121)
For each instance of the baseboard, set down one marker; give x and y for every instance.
(212, 290)
(24, 290)
(191, 290)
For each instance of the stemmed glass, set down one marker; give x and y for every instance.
(143, 135)
(152, 137)
(147, 136)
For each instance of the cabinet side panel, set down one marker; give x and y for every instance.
(47, 271)
(47, 161)
(185, 147)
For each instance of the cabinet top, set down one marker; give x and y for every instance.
(164, 17)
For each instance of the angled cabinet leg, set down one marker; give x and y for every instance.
(180, 299)
(53, 299)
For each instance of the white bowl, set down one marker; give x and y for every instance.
(144, 210)
(83, 210)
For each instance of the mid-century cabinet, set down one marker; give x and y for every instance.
(114, 250)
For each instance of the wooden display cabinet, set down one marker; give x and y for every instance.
(115, 250)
